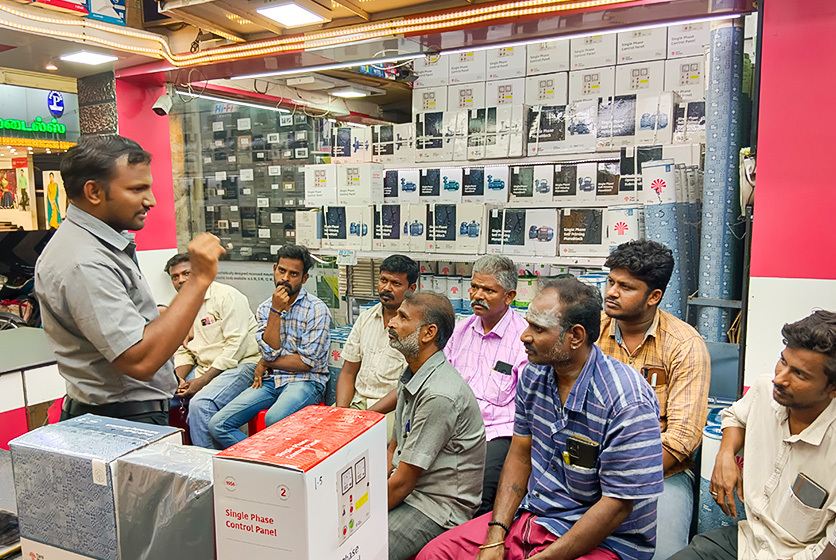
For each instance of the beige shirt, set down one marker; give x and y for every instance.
(778, 525)
(224, 333)
(380, 365)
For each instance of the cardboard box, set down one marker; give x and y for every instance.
(429, 100)
(581, 126)
(473, 184)
(607, 182)
(655, 118)
(616, 121)
(66, 480)
(547, 89)
(624, 223)
(582, 232)
(466, 96)
(433, 136)
(575, 183)
(414, 218)
(111, 11)
(505, 133)
(455, 228)
(688, 40)
(659, 182)
(477, 133)
(348, 227)
(642, 45)
(593, 51)
(505, 63)
(586, 85)
(547, 57)
(320, 185)
(546, 129)
(309, 228)
(685, 77)
(640, 78)
(351, 144)
(531, 184)
(429, 185)
(359, 183)
(310, 487)
(467, 67)
(393, 143)
(522, 231)
(432, 71)
(451, 185)
(497, 183)
(401, 186)
(505, 92)
(689, 123)
(388, 228)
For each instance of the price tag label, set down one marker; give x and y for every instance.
(217, 126)
(346, 257)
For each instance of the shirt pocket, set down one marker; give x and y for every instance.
(804, 523)
(582, 483)
(498, 389)
(211, 333)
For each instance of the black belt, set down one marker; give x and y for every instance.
(130, 408)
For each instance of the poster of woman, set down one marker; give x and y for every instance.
(8, 188)
(55, 199)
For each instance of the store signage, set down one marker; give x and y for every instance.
(55, 103)
(20, 162)
(223, 108)
(52, 127)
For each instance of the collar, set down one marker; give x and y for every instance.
(118, 240)
(615, 330)
(208, 292)
(377, 310)
(815, 432)
(303, 294)
(498, 329)
(577, 396)
(413, 382)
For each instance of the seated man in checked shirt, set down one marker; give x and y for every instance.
(293, 336)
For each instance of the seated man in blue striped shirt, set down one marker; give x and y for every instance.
(586, 442)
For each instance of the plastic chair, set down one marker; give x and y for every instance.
(257, 424)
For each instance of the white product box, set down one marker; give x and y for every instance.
(593, 51)
(659, 181)
(320, 185)
(429, 100)
(467, 67)
(383, 143)
(429, 186)
(546, 129)
(432, 71)
(455, 228)
(522, 231)
(477, 133)
(582, 232)
(66, 482)
(404, 135)
(505, 63)
(547, 89)
(607, 182)
(414, 218)
(624, 223)
(581, 126)
(505, 92)
(451, 185)
(497, 183)
(689, 123)
(473, 184)
(642, 45)
(351, 144)
(388, 228)
(616, 121)
(505, 134)
(347, 227)
(309, 228)
(310, 487)
(688, 40)
(685, 77)
(466, 96)
(642, 77)
(458, 121)
(532, 184)
(359, 183)
(402, 186)
(547, 57)
(575, 183)
(433, 137)
(655, 118)
(591, 84)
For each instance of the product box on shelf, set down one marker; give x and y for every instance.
(388, 228)
(320, 185)
(655, 118)
(310, 487)
(689, 39)
(659, 180)
(624, 223)
(630, 179)
(477, 133)
(466, 96)
(640, 78)
(505, 131)
(506, 62)
(689, 123)
(467, 67)
(616, 121)
(547, 57)
(359, 183)
(351, 144)
(348, 227)
(575, 183)
(546, 129)
(593, 51)
(309, 228)
(433, 134)
(522, 231)
(404, 134)
(473, 184)
(414, 218)
(582, 232)
(401, 186)
(455, 228)
(532, 184)
(429, 100)
(505, 92)
(581, 126)
(547, 89)
(684, 76)
(606, 187)
(459, 122)
(642, 45)
(451, 185)
(497, 183)
(66, 484)
(431, 71)
(592, 84)
(429, 185)
(111, 11)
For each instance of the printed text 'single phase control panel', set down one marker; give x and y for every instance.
(353, 503)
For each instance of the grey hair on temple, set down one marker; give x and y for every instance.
(501, 268)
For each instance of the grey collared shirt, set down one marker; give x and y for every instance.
(439, 428)
(95, 304)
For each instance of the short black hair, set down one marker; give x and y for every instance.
(94, 159)
(817, 333)
(436, 310)
(648, 261)
(581, 305)
(175, 260)
(296, 252)
(401, 264)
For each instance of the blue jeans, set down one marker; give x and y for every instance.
(279, 402)
(216, 395)
(673, 515)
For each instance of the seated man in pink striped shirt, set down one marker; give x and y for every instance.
(487, 351)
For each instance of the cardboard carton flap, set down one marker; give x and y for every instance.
(304, 439)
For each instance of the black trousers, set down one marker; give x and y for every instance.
(157, 417)
(716, 544)
(494, 459)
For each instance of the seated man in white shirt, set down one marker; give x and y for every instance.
(786, 425)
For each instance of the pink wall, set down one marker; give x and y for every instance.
(134, 99)
(795, 198)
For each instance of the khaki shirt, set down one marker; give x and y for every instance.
(778, 525)
(380, 364)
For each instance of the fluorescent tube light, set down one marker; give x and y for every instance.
(85, 57)
(233, 101)
(349, 93)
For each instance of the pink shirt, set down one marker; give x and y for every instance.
(474, 354)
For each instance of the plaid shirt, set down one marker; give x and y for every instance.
(677, 348)
(305, 332)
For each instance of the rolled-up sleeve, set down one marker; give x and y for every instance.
(235, 326)
(183, 357)
(687, 403)
(315, 339)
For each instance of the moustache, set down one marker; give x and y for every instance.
(393, 334)
(528, 346)
(285, 284)
(386, 294)
(481, 302)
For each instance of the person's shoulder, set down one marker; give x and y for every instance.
(619, 384)
(366, 315)
(676, 328)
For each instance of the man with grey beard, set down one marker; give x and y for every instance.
(437, 453)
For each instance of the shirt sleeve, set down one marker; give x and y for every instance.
(183, 357)
(522, 426)
(687, 406)
(353, 350)
(315, 340)
(235, 326)
(101, 309)
(262, 314)
(737, 414)
(431, 427)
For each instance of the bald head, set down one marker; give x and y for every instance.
(434, 309)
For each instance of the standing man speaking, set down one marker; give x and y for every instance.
(112, 346)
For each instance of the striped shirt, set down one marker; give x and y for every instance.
(614, 407)
(474, 354)
(677, 348)
(305, 332)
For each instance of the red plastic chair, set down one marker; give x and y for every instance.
(257, 424)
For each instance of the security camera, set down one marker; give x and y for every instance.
(163, 104)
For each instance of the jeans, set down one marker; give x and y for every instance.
(216, 395)
(716, 544)
(673, 518)
(178, 401)
(409, 531)
(279, 402)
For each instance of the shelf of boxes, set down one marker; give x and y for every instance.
(584, 262)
